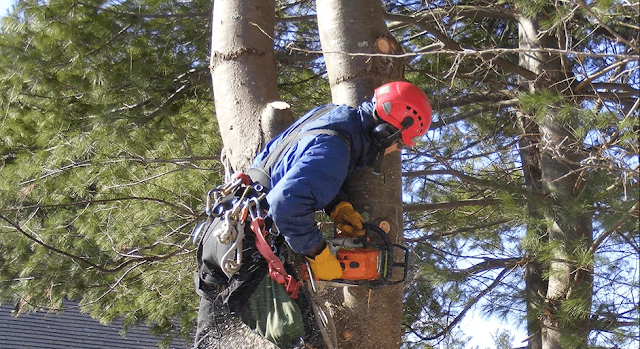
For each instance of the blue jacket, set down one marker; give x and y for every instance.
(309, 174)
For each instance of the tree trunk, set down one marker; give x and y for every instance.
(535, 284)
(243, 73)
(558, 155)
(364, 318)
(244, 83)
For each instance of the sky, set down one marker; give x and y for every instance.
(4, 6)
(477, 327)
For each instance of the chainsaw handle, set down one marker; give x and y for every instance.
(404, 264)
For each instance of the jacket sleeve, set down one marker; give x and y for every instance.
(316, 169)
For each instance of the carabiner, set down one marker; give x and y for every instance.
(254, 208)
(208, 206)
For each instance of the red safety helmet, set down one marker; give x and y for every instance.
(406, 107)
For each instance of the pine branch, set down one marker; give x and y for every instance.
(469, 305)
(83, 260)
(140, 15)
(471, 113)
(453, 45)
(179, 92)
(184, 209)
(619, 37)
(488, 264)
(503, 96)
(456, 231)
(450, 204)
(492, 184)
(633, 212)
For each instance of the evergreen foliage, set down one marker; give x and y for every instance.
(107, 144)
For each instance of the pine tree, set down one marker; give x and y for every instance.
(107, 147)
(108, 142)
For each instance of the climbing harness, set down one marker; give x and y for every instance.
(235, 204)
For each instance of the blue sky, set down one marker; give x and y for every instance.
(4, 6)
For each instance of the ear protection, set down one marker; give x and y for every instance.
(383, 136)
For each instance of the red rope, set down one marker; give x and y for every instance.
(276, 269)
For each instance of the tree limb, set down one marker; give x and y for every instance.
(470, 304)
(450, 204)
(586, 8)
(79, 259)
(490, 263)
(453, 45)
(456, 231)
(600, 239)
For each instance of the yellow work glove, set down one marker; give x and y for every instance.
(347, 219)
(324, 265)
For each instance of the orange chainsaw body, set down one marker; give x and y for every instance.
(359, 264)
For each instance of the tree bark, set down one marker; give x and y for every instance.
(243, 74)
(244, 86)
(364, 318)
(551, 157)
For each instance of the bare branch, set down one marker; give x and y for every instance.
(490, 263)
(440, 235)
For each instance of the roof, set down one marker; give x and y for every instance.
(70, 329)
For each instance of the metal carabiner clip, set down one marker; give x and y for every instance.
(254, 208)
(208, 206)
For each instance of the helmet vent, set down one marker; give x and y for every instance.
(386, 106)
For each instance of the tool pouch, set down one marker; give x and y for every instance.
(210, 280)
(210, 252)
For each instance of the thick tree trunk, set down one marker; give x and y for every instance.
(364, 318)
(535, 285)
(244, 85)
(243, 73)
(558, 155)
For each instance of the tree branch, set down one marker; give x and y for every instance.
(136, 15)
(456, 231)
(79, 259)
(600, 239)
(586, 8)
(101, 201)
(450, 204)
(453, 45)
(181, 91)
(490, 263)
(474, 98)
(470, 304)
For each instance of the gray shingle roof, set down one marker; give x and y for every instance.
(69, 329)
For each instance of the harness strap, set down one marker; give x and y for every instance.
(294, 136)
(276, 268)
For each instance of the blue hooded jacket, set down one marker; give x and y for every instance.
(310, 173)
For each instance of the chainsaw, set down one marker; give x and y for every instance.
(367, 260)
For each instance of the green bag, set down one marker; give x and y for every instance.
(274, 315)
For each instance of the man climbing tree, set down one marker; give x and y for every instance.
(301, 172)
(241, 64)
